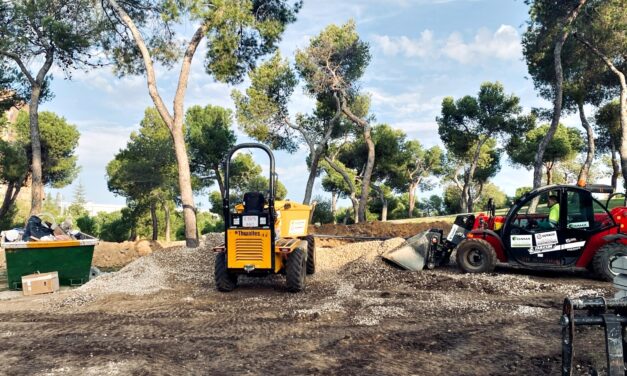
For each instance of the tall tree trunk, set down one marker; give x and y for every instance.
(549, 174)
(412, 198)
(216, 170)
(185, 185)
(623, 104)
(133, 235)
(333, 205)
(36, 85)
(13, 189)
(154, 220)
(557, 102)
(623, 125)
(615, 168)
(168, 224)
(174, 123)
(365, 185)
(585, 169)
(466, 203)
(37, 186)
(313, 171)
(384, 210)
(351, 186)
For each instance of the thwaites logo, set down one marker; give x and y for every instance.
(247, 233)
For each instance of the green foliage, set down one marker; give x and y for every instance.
(59, 141)
(114, 227)
(608, 128)
(565, 145)
(209, 137)
(262, 112)
(77, 208)
(468, 121)
(322, 212)
(334, 61)
(431, 206)
(66, 30)
(87, 224)
(10, 219)
(237, 33)
(13, 162)
(145, 171)
(521, 191)
(585, 78)
(333, 181)
(491, 191)
(452, 200)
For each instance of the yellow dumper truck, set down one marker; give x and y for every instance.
(263, 236)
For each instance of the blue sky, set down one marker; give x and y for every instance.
(422, 51)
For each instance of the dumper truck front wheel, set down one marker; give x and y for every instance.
(295, 270)
(476, 256)
(603, 259)
(225, 280)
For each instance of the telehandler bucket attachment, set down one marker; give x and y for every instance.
(410, 255)
(423, 250)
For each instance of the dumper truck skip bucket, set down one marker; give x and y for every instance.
(71, 259)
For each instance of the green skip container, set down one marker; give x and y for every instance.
(71, 259)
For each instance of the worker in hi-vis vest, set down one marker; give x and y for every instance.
(554, 214)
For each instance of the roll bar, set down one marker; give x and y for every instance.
(227, 174)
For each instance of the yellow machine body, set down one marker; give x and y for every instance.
(252, 248)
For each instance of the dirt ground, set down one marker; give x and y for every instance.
(161, 315)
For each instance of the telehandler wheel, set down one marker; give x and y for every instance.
(476, 256)
(225, 281)
(295, 270)
(311, 255)
(602, 260)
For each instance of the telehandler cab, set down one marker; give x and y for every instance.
(263, 236)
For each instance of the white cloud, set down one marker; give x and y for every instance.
(421, 47)
(503, 44)
(403, 104)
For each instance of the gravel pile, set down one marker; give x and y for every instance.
(345, 274)
(161, 270)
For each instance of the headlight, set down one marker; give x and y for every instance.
(262, 220)
(236, 221)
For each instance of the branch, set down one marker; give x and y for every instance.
(352, 116)
(20, 64)
(606, 60)
(341, 171)
(185, 68)
(150, 71)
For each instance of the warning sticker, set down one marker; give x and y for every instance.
(297, 227)
(520, 241)
(546, 238)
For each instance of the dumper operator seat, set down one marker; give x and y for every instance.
(254, 202)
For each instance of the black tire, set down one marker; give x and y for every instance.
(295, 270)
(476, 256)
(225, 280)
(602, 260)
(311, 255)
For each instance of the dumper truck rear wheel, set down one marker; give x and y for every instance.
(225, 280)
(602, 260)
(311, 255)
(295, 270)
(476, 256)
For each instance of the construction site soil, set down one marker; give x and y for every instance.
(161, 315)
